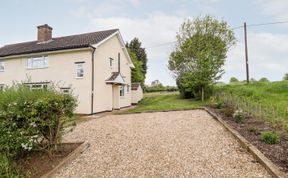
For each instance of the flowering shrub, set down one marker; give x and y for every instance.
(33, 119)
(239, 116)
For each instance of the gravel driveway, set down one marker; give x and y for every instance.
(163, 144)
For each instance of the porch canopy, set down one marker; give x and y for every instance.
(116, 78)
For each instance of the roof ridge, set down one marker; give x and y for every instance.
(115, 29)
(57, 43)
(35, 41)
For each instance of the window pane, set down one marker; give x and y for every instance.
(121, 90)
(65, 90)
(2, 66)
(37, 62)
(29, 63)
(80, 70)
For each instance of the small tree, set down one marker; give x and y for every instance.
(285, 76)
(233, 80)
(264, 79)
(136, 73)
(135, 46)
(198, 59)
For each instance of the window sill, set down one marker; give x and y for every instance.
(79, 77)
(37, 68)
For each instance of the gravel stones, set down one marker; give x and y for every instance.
(162, 144)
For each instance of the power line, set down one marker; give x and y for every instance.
(234, 28)
(261, 24)
(162, 44)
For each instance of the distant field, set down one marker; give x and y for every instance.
(165, 101)
(269, 94)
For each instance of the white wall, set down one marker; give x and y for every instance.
(103, 92)
(137, 95)
(61, 71)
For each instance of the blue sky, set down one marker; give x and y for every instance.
(156, 22)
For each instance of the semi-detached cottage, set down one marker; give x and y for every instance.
(95, 67)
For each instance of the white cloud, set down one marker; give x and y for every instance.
(267, 51)
(268, 55)
(151, 30)
(276, 8)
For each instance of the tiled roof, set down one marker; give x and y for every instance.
(113, 76)
(60, 43)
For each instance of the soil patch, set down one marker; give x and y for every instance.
(36, 164)
(251, 129)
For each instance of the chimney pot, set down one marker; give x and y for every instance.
(44, 33)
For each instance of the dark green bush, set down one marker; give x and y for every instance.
(33, 119)
(270, 137)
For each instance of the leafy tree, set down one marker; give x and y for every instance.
(285, 76)
(198, 59)
(140, 52)
(233, 80)
(136, 74)
(264, 79)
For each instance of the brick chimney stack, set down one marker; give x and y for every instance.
(44, 33)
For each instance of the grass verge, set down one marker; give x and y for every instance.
(164, 101)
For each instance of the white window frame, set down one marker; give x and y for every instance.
(33, 62)
(38, 85)
(79, 66)
(128, 88)
(2, 65)
(66, 90)
(111, 61)
(122, 90)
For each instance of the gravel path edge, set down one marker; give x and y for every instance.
(73, 155)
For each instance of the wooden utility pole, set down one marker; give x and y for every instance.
(246, 52)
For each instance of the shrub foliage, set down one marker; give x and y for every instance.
(33, 119)
(270, 137)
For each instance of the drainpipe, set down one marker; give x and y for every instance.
(119, 63)
(92, 89)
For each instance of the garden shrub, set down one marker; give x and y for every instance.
(216, 102)
(239, 116)
(252, 130)
(6, 168)
(33, 119)
(228, 111)
(270, 137)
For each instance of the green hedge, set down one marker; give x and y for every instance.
(33, 119)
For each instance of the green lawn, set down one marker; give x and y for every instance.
(268, 94)
(164, 102)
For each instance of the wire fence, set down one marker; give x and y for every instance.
(272, 114)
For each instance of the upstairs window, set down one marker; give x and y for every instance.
(79, 69)
(111, 61)
(37, 62)
(121, 90)
(2, 67)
